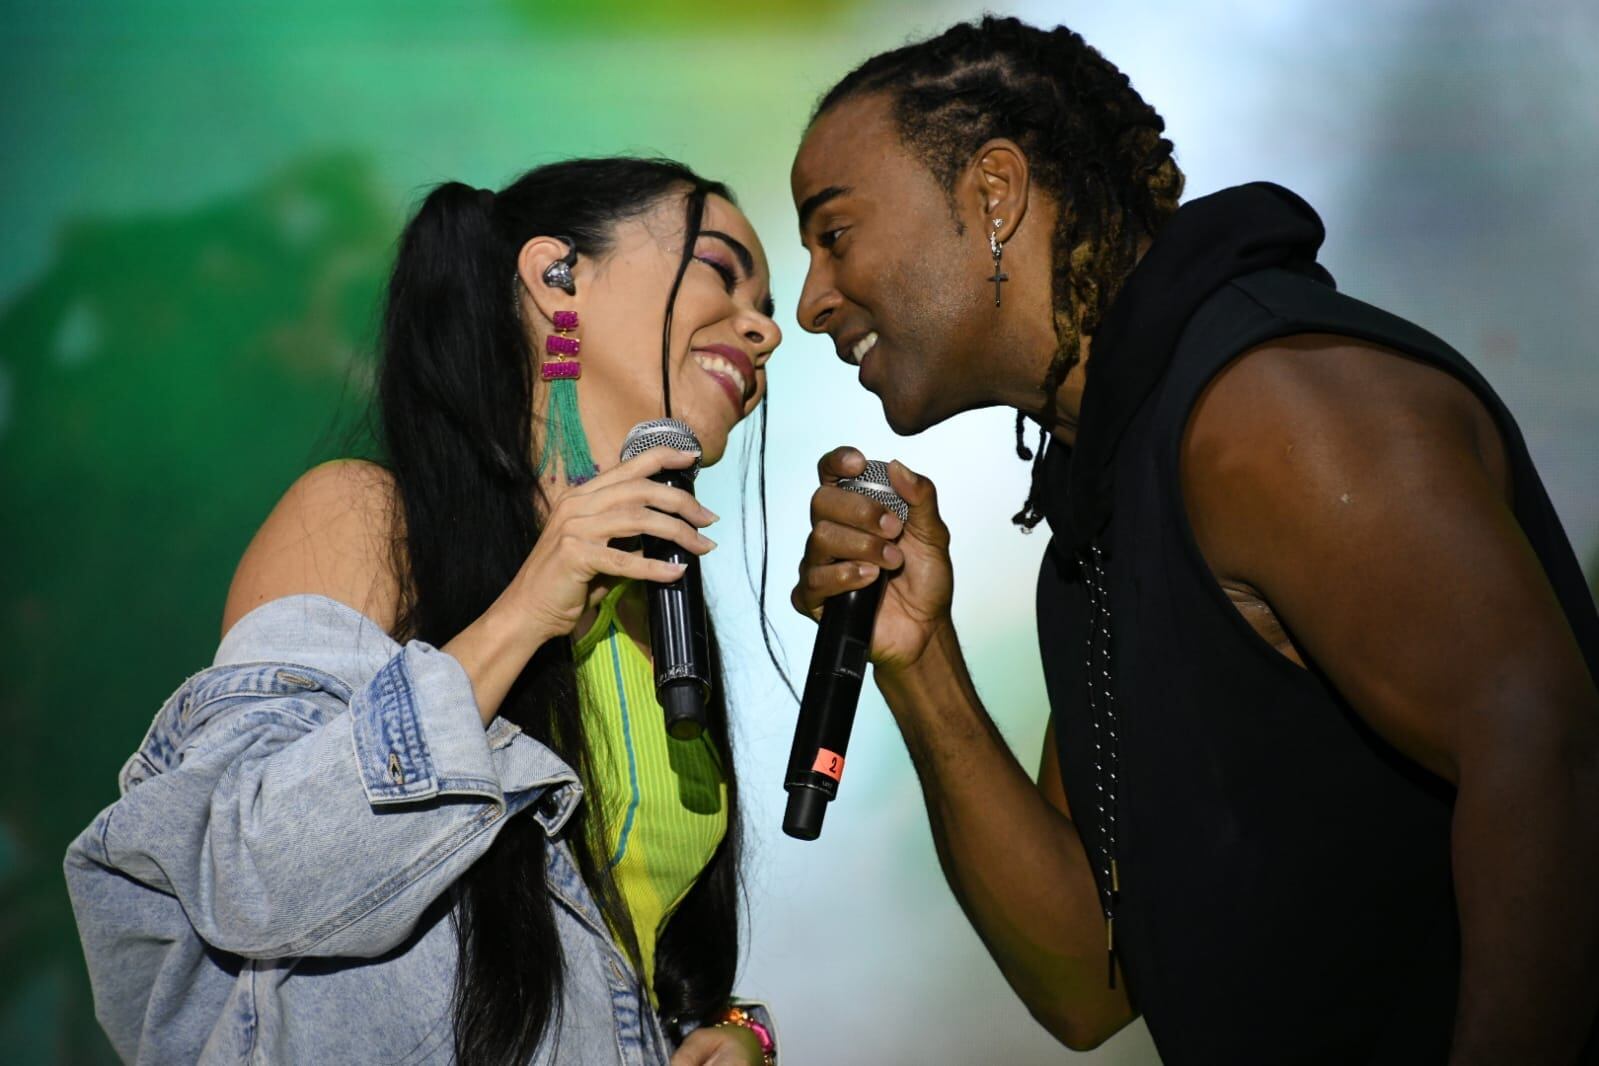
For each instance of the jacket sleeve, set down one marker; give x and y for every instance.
(290, 817)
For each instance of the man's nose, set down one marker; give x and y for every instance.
(818, 300)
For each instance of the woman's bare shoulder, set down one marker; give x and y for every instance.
(331, 534)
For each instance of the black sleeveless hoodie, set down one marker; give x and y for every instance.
(1284, 873)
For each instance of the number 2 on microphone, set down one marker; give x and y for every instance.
(829, 763)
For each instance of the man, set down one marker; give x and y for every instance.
(1322, 774)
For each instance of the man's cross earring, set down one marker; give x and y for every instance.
(996, 248)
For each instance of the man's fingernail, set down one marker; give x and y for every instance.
(889, 524)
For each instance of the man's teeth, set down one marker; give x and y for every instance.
(862, 346)
(722, 366)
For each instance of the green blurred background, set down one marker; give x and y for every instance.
(200, 202)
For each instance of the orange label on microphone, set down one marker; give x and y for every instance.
(829, 763)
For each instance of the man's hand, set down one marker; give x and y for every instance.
(853, 539)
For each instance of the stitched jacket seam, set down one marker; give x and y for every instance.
(389, 889)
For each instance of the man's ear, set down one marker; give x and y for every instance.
(1000, 186)
(532, 263)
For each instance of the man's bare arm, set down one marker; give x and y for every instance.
(1011, 855)
(1364, 496)
(1009, 849)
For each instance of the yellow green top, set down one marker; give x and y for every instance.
(664, 800)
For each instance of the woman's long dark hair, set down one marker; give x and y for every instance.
(455, 402)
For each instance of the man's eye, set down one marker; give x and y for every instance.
(830, 237)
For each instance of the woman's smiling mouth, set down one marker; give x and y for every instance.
(731, 368)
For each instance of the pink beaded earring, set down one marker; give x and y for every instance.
(563, 423)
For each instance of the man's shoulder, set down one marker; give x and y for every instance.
(1310, 421)
(1252, 309)
(1325, 390)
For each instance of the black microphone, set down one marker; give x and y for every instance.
(833, 685)
(679, 640)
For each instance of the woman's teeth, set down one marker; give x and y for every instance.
(862, 346)
(722, 366)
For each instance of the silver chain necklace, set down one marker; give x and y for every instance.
(1107, 743)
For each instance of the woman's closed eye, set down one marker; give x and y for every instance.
(729, 277)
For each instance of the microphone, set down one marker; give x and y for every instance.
(833, 685)
(679, 642)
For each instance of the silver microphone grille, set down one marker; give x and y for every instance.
(873, 484)
(662, 432)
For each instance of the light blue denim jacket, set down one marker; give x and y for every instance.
(271, 887)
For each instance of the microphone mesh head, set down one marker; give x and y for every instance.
(662, 432)
(873, 484)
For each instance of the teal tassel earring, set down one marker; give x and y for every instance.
(563, 424)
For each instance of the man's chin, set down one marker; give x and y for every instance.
(908, 419)
(910, 415)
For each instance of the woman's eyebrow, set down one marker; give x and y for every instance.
(745, 260)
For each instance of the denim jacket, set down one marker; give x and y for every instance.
(271, 885)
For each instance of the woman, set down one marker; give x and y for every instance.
(423, 807)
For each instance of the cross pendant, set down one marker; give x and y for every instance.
(999, 276)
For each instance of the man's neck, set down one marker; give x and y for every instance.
(1059, 418)
(1069, 399)
(1068, 405)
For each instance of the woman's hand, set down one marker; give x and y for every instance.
(720, 1045)
(551, 591)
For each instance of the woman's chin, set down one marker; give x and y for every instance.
(713, 436)
(712, 448)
